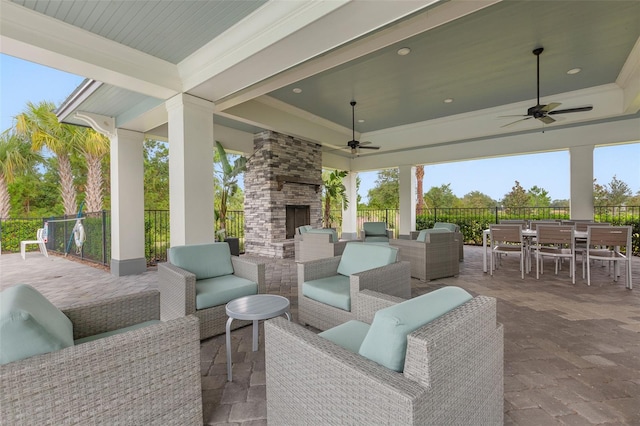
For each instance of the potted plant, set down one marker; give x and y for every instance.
(228, 180)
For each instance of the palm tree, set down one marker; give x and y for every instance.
(228, 183)
(15, 158)
(93, 146)
(419, 189)
(40, 124)
(334, 189)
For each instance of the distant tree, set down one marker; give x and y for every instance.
(156, 175)
(440, 197)
(600, 194)
(539, 197)
(228, 171)
(634, 201)
(518, 197)
(618, 192)
(16, 158)
(560, 203)
(386, 193)
(420, 189)
(477, 199)
(94, 147)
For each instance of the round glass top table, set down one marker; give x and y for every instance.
(253, 308)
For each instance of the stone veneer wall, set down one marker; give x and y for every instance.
(264, 206)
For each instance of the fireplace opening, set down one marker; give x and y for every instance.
(297, 216)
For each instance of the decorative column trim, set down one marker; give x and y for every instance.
(100, 123)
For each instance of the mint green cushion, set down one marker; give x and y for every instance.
(422, 236)
(332, 232)
(30, 324)
(358, 257)
(386, 342)
(220, 290)
(205, 260)
(332, 291)
(375, 229)
(118, 331)
(445, 225)
(349, 335)
(304, 228)
(376, 239)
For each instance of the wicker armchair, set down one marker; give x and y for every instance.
(436, 257)
(312, 246)
(178, 291)
(453, 372)
(393, 279)
(146, 376)
(451, 227)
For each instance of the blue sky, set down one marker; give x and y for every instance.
(22, 81)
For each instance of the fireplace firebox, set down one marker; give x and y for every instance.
(296, 216)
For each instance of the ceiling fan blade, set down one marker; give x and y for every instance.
(550, 106)
(546, 119)
(368, 147)
(514, 122)
(568, 110)
(513, 115)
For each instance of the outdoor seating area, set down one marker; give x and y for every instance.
(570, 351)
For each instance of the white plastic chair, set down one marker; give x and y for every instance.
(39, 241)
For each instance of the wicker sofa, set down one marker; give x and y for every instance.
(450, 227)
(317, 245)
(435, 257)
(361, 266)
(148, 375)
(452, 373)
(199, 268)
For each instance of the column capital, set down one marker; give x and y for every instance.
(184, 99)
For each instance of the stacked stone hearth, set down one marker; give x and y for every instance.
(283, 171)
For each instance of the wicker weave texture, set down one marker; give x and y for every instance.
(437, 258)
(146, 376)
(178, 295)
(317, 246)
(313, 379)
(394, 279)
(457, 235)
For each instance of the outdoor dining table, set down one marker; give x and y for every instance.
(527, 233)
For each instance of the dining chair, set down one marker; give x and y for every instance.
(505, 239)
(606, 243)
(523, 223)
(558, 242)
(533, 224)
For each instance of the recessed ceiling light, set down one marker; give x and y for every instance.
(297, 90)
(448, 100)
(361, 121)
(574, 71)
(404, 51)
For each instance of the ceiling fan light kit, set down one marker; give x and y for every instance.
(542, 112)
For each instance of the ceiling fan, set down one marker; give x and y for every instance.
(543, 112)
(353, 144)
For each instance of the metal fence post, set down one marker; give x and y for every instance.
(104, 237)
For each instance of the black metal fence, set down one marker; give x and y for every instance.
(97, 227)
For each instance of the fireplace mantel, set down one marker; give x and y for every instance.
(282, 179)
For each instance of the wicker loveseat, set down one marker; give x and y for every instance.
(433, 255)
(149, 374)
(452, 373)
(327, 288)
(200, 279)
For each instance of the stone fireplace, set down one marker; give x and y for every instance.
(283, 185)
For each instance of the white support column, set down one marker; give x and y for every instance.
(581, 203)
(127, 203)
(191, 146)
(407, 184)
(349, 216)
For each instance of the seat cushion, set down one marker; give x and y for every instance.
(349, 335)
(333, 291)
(358, 257)
(445, 225)
(204, 260)
(332, 232)
(118, 331)
(386, 341)
(304, 228)
(375, 229)
(30, 324)
(220, 290)
(422, 236)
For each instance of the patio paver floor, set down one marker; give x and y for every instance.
(572, 353)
